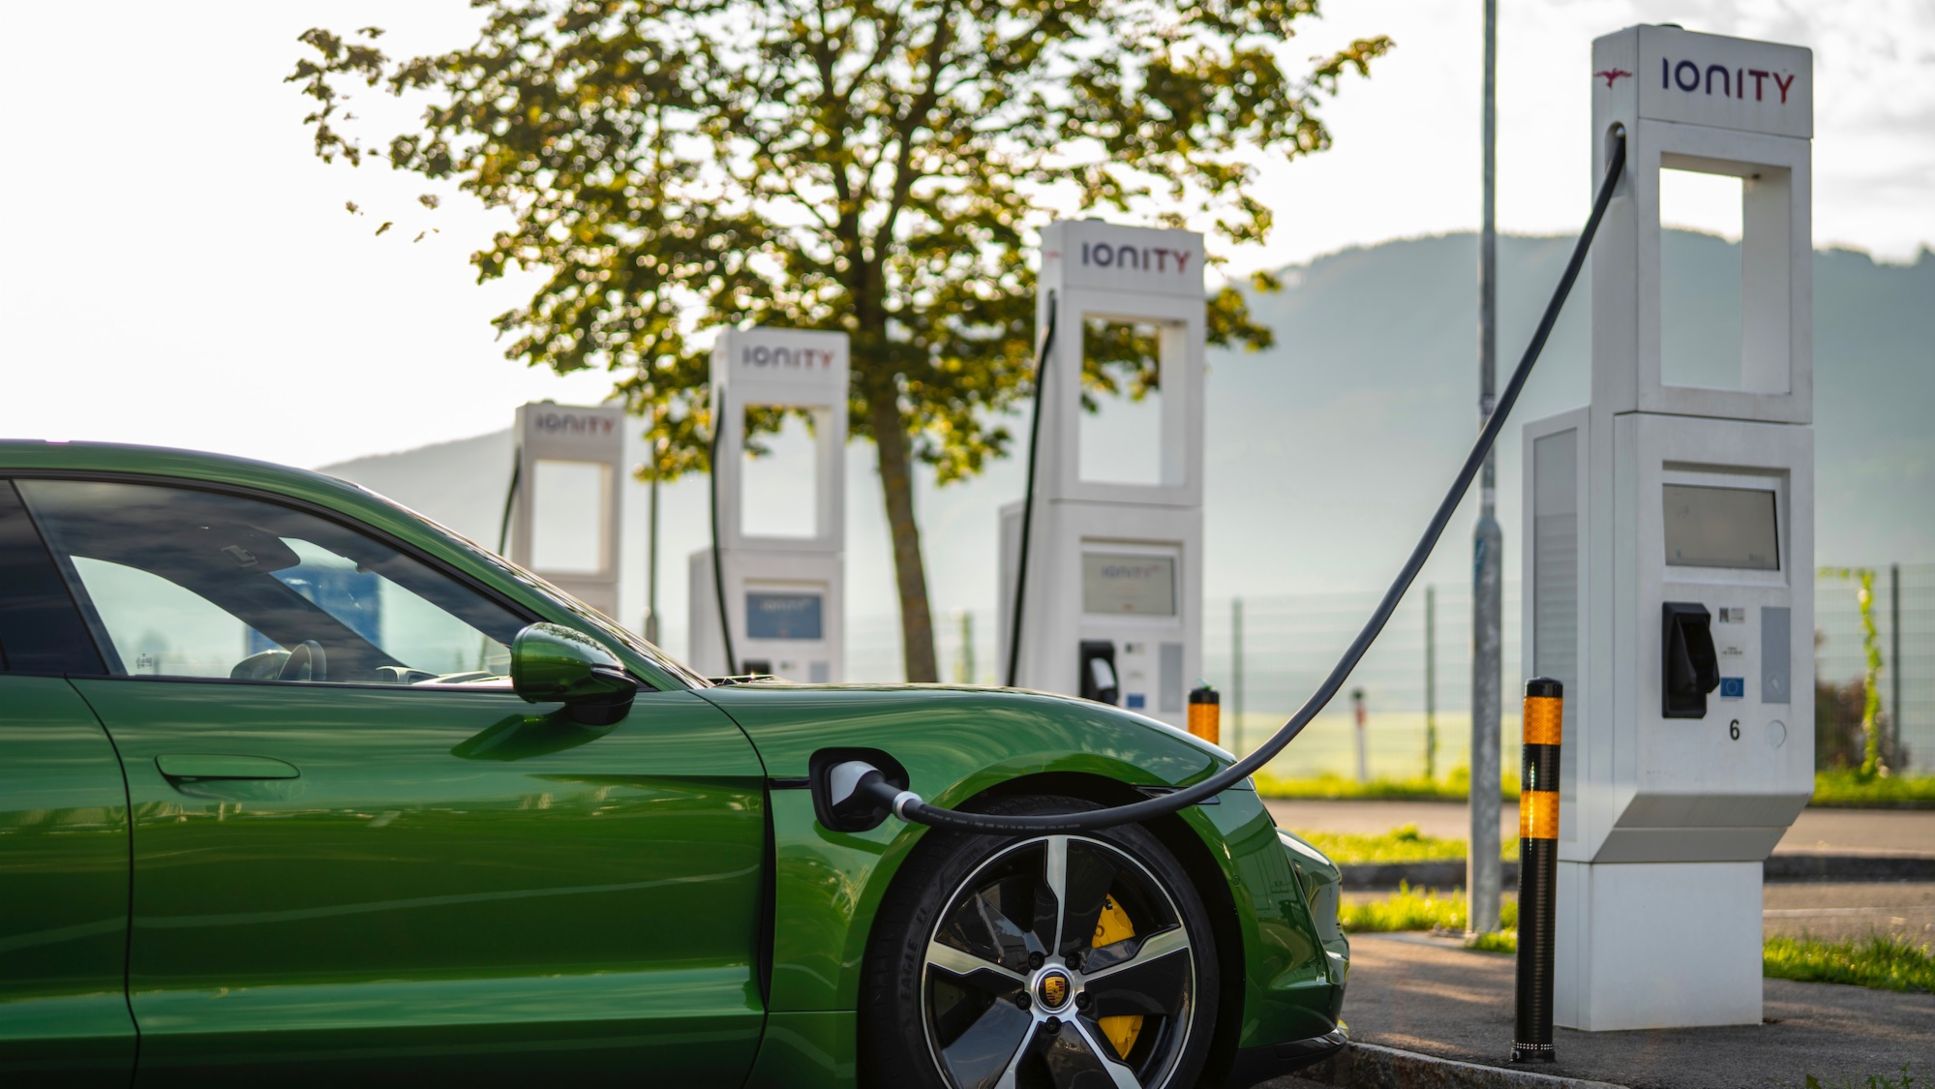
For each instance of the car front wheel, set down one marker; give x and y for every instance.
(1058, 961)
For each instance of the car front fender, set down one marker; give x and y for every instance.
(958, 744)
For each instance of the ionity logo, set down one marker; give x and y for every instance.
(570, 423)
(1140, 258)
(1689, 77)
(760, 355)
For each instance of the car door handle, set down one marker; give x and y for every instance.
(196, 767)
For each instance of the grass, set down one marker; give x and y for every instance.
(1453, 788)
(1847, 788)
(1494, 941)
(1414, 909)
(1401, 844)
(1879, 962)
(1884, 963)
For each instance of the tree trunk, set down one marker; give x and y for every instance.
(910, 570)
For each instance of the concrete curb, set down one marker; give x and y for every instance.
(1371, 1066)
(1877, 867)
(1780, 868)
(1419, 875)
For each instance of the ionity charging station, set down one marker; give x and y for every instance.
(1671, 554)
(784, 595)
(1114, 591)
(567, 503)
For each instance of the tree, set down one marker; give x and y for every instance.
(873, 166)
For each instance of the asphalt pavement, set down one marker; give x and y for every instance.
(1437, 998)
(1837, 911)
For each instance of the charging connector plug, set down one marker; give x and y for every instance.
(852, 793)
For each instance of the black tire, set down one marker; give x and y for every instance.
(964, 935)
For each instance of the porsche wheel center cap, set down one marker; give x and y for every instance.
(1053, 989)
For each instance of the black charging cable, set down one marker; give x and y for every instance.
(857, 783)
(1028, 497)
(510, 499)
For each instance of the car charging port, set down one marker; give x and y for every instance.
(855, 789)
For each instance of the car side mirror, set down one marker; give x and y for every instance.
(553, 663)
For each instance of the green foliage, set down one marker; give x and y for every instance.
(1883, 962)
(1455, 787)
(1411, 909)
(676, 166)
(1404, 843)
(1848, 788)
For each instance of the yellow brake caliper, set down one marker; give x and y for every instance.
(1113, 926)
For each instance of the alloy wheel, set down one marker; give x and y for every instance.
(1060, 962)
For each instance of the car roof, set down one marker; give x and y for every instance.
(20, 458)
(42, 455)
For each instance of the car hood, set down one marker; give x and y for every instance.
(1015, 730)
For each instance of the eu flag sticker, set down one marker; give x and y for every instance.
(1733, 688)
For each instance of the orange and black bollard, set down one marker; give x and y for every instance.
(1538, 867)
(1206, 714)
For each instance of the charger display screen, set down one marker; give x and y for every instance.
(1710, 526)
(1128, 584)
(782, 615)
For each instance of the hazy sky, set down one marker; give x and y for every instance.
(180, 270)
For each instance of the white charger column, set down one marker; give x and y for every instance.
(568, 507)
(785, 594)
(1114, 608)
(1670, 554)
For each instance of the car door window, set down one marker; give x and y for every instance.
(188, 583)
(157, 628)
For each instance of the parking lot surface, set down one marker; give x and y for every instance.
(1439, 999)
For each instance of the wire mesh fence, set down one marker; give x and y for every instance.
(1266, 653)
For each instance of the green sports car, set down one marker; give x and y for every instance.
(298, 786)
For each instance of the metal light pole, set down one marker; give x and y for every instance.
(1431, 683)
(1236, 676)
(1482, 865)
(651, 545)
